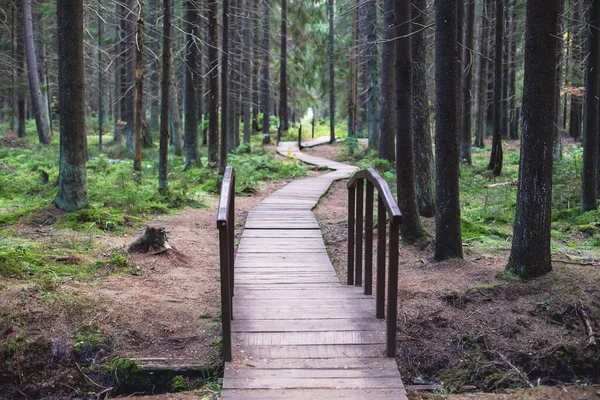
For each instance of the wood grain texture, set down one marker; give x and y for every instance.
(297, 332)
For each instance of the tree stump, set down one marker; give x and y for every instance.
(153, 240)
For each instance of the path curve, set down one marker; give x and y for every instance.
(297, 332)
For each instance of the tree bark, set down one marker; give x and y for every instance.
(468, 83)
(372, 87)
(117, 77)
(100, 38)
(530, 253)
(72, 182)
(423, 149)
(38, 109)
(512, 70)
(283, 85)
(163, 151)
(592, 92)
(482, 73)
(139, 87)
(557, 149)
(21, 97)
(192, 152)
(224, 88)
(411, 227)
(246, 67)
(497, 155)
(387, 119)
(352, 93)
(576, 76)
(331, 8)
(448, 241)
(213, 100)
(154, 42)
(265, 84)
(130, 71)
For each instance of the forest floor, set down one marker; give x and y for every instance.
(469, 324)
(81, 307)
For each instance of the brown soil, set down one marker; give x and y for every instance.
(167, 312)
(12, 141)
(462, 323)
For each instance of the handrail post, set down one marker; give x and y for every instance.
(369, 239)
(392, 305)
(231, 225)
(351, 215)
(360, 209)
(381, 247)
(225, 292)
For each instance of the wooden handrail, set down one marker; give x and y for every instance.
(226, 226)
(386, 208)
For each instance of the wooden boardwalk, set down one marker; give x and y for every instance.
(297, 332)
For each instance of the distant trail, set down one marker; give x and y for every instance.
(297, 332)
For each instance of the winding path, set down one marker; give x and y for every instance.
(297, 332)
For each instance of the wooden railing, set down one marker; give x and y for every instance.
(386, 208)
(226, 226)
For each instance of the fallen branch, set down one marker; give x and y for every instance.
(585, 317)
(493, 185)
(517, 370)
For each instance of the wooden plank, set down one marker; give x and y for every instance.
(309, 338)
(317, 383)
(306, 394)
(315, 351)
(318, 363)
(253, 373)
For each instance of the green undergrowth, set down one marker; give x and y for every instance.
(118, 199)
(488, 204)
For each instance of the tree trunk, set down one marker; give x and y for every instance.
(576, 76)
(265, 102)
(590, 132)
(512, 70)
(224, 88)
(530, 253)
(139, 87)
(175, 120)
(13, 53)
(468, 83)
(72, 182)
(496, 157)
(192, 153)
(424, 166)
(448, 241)
(130, 71)
(154, 42)
(38, 107)
(405, 168)
(352, 93)
(557, 149)
(163, 151)
(246, 66)
(331, 8)
(117, 77)
(283, 85)
(387, 119)
(506, 39)
(21, 97)
(372, 88)
(482, 73)
(100, 38)
(213, 100)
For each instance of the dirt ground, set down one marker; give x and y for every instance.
(462, 323)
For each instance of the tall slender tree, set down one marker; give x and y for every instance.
(423, 149)
(72, 181)
(589, 171)
(129, 18)
(224, 88)
(448, 240)
(482, 73)
(213, 82)
(117, 76)
(467, 97)
(40, 112)
(246, 68)
(100, 39)
(265, 83)
(559, 80)
(21, 98)
(372, 84)
(139, 87)
(165, 86)
(411, 227)
(154, 44)
(283, 79)
(576, 73)
(530, 253)
(331, 12)
(497, 154)
(192, 152)
(387, 119)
